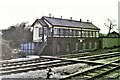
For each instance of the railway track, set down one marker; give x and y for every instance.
(21, 62)
(92, 53)
(95, 72)
(99, 69)
(102, 56)
(25, 66)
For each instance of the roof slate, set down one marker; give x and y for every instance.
(65, 23)
(42, 22)
(69, 23)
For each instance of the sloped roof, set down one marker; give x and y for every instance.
(69, 23)
(41, 21)
(113, 34)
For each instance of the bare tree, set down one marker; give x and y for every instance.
(110, 24)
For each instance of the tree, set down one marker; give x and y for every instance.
(18, 34)
(110, 24)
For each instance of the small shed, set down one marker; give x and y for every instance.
(111, 40)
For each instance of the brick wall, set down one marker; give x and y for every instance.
(61, 46)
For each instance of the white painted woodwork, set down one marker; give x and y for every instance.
(36, 37)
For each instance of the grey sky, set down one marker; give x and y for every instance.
(97, 11)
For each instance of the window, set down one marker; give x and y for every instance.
(45, 31)
(55, 31)
(94, 34)
(86, 33)
(74, 32)
(66, 32)
(97, 34)
(83, 34)
(49, 33)
(61, 32)
(77, 33)
(40, 32)
(90, 34)
(70, 33)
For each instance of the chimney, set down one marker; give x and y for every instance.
(80, 20)
(61, 17)
(87, 21)
(70, 18)
(50, 15)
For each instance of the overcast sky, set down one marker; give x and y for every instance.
(97, 11)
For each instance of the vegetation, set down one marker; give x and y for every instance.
(110, 24)
(17, 34)
(12, 39)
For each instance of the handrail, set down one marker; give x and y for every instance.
(41, 46)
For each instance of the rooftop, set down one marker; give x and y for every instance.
(66, 23)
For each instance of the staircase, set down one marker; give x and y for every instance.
(41, 47)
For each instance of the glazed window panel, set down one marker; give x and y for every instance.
(94, 33)
(74, 32)
(90, 34)
(97, 34)
(40, 32)
(77, 33)
(70, 32)
(49, 32)
(61, 32)
(66, 32)
(45, 31)
(56, 32)
(83, 34)
(86, 33)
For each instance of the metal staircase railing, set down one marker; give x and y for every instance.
(41, 47)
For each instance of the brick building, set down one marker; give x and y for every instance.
(57, 36)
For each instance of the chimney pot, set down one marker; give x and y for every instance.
(80, 20)
(61, 17)
(87, 21)
(50, 15)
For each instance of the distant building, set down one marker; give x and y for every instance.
(56, 36)
(111, 40)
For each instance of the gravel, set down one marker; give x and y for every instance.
(57, 72)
